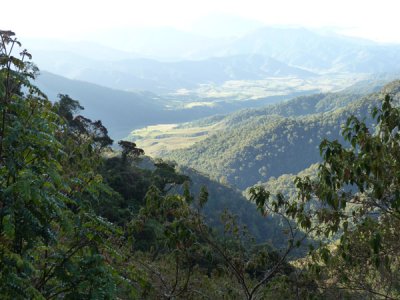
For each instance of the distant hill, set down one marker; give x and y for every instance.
(120, 111)
(152, 75)
(123, 111)
(164, 60)
(159, 140)
(285, 185)
(317, 52)
(304, 48)
(257, 144)
(224, 198)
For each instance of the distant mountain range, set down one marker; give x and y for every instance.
(123, 111)
(319, 53)
(162, 77)
(164, 60)
(147, 74)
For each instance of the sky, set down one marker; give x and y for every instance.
(75, 19)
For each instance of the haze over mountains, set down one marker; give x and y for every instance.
(177, 76)
(296, 47)
(122, 111)
(167, 76)
(147, 74)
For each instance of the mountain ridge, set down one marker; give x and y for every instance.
(262, 146)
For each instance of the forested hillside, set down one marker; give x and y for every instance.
(257, 144)
(159, 140)
(122, 111)
(222, 198)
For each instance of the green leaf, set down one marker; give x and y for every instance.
(8, 227)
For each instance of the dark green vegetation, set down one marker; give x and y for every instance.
(79, 220)
(358, 190)
(222, 198)
(259, 143)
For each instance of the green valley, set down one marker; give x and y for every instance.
(252, 145)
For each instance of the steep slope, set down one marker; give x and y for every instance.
(123, 111)
(223, 198)
(258, 145)
(161, 139)
(119, 111)
(284, 184)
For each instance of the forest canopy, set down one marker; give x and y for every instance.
(81, 220)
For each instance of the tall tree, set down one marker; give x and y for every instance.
(357, 191)
(51, 243)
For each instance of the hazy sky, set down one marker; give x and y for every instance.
(373, 19)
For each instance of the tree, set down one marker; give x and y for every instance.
(81, 126)
(358, 194)
(30, 177)
(51, 243)
(129, 150)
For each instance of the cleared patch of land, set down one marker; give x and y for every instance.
(157, 139)
(243, 90)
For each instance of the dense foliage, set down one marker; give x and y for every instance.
(79, 220)
(260, 143)
(49, 234)
(358, 190)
